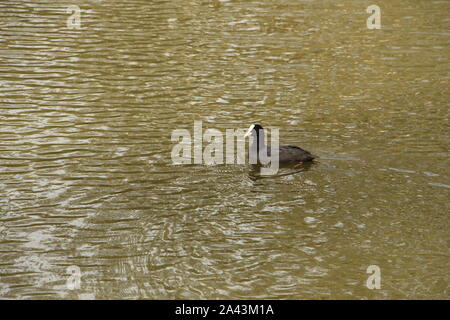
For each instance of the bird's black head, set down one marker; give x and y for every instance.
(254, 127)
(257, 127)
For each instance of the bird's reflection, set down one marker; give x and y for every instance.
(254, 172)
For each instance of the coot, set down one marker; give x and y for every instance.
(288, 154)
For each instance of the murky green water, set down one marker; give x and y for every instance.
(86, 177)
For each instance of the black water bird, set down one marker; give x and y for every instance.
(287, 155)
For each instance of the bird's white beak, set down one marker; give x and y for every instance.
(249, 132)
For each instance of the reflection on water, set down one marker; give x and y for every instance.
(255, 172)
(86, 175)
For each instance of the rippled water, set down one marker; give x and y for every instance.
(86, 177)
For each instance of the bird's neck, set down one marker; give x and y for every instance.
(260, 144)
